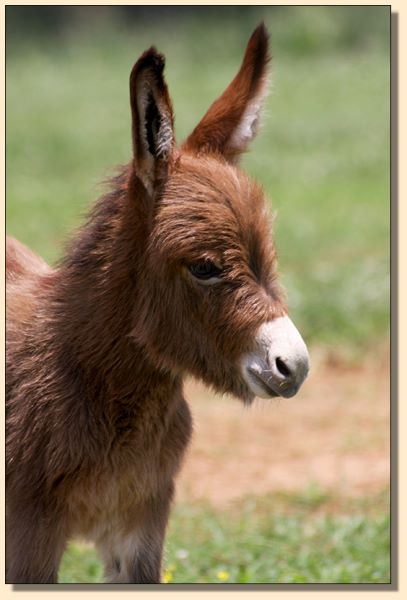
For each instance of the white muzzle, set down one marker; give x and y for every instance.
(280, 362)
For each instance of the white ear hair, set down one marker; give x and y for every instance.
(249, 125)
(163, 137)
(159, 132)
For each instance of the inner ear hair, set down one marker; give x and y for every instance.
(152, 124)
(152, 118)
(150, 113)
(158, 127)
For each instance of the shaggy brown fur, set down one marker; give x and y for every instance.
(97, 348)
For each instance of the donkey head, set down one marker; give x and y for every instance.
(211, 304)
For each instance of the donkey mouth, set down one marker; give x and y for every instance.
(263, 382)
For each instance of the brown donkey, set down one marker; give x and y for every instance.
(174, 273)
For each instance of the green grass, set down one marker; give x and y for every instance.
(81, 564)
(302, 538)
(323, 154)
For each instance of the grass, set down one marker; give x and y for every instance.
(323, 154)
(302, 538)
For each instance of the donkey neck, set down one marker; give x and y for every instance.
(97, 290)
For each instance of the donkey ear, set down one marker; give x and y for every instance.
(233, 119)
(152, 119)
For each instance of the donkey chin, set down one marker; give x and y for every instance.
(279, 363)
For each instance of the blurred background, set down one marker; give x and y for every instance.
(291, 491)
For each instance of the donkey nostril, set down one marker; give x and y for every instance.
(282, 367)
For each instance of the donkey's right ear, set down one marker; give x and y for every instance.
(152, 119)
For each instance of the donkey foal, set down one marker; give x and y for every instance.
(174, 273)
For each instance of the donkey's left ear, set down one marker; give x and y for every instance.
(152, 119)
(232, 121)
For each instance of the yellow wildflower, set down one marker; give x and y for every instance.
(168, 577)
(223, 575)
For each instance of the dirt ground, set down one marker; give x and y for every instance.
(334, 434)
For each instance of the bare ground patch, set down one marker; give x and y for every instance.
(334, 434)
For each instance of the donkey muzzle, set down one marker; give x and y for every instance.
(279, 362)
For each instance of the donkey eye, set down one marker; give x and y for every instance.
(204, 269)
